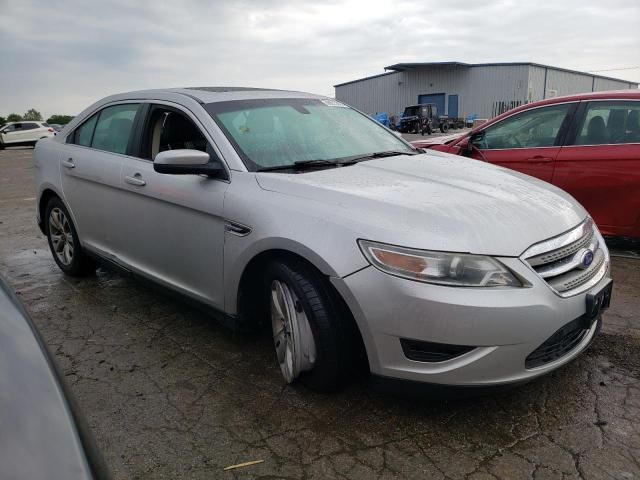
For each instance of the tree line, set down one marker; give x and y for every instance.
(35, 116)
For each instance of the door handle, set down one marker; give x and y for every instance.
(540, 158)
(135, 180)
(69, 163)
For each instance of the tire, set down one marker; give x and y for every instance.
(60, 230)
(315, 301)
(444, 128)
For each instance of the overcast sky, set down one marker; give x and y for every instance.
(59, 56)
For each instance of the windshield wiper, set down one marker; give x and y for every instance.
(321, 162)
(306, 164)
(387, 153)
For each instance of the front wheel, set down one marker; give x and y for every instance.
(63, 240)
(444, 127)
(308, 327)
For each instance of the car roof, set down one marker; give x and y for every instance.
(630, 94)
(216, 94)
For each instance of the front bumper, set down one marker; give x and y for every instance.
(504, 325)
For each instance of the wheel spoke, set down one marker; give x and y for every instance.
(276, 305)
(57, 242)
(292, 336)
(280, 342)
(66, 253)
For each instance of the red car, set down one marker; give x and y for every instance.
(587, 144)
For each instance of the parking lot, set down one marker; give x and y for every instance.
(170, 394)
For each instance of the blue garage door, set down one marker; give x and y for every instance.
(453, 106)
(437, 98)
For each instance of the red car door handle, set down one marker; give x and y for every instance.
(540, 158)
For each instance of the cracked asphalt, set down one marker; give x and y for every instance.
(170, 394)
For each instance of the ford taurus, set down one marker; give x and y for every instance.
(300, 211)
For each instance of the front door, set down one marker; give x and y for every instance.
(173, 224)
(12, 134)
(528, 142)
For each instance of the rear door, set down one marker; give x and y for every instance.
(31, 132)
(600, 164)
(90, 172)
(528, 141)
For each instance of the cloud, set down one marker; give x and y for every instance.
(58, 57)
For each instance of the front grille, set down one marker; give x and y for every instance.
(558, 345)
(560, 261)
(430, 351)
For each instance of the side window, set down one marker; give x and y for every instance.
(114, 128)
(610, 123)
(530, 129)
(29, 126)
(83, 134)
(168, 129)
(10, 128)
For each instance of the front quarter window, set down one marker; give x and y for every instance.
(270, 133)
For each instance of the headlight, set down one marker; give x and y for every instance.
(454, 269)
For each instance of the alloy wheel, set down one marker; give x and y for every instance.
(61, 236)
(292, 335)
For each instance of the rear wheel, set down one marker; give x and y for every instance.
(308, 327)
(444, 127)
(63, 240)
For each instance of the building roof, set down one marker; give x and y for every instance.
(401, 67)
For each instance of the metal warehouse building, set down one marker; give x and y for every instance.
(462, 89)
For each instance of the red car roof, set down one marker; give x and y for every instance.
(610, 95)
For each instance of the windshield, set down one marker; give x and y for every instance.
(411, 111)
(271, 133)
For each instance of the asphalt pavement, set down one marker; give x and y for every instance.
(168, 393)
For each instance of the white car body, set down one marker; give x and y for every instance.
(25, 133)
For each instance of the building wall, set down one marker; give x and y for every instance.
(484, 90)
(478, 89)
(561, 83)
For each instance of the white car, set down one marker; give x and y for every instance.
(18, 134)
(295, 210)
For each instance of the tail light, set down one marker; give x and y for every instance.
(51, 130)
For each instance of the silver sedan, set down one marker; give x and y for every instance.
(296, 211)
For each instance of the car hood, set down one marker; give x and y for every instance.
(434, 201)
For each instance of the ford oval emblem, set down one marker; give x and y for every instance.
(587, 259)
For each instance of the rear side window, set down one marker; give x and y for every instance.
(607, 123)
(530, 129)
(83, 135)
(114, 128)
(30, 126)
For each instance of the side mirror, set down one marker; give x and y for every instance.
(473, 138)
(186, 162)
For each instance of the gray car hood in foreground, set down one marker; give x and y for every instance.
(435, 201)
